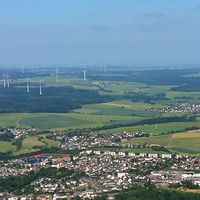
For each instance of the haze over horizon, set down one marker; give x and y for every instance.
(128, 32)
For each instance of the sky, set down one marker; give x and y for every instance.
(131, 32)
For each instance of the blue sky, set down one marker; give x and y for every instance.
(138, 32)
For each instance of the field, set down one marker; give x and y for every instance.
(52, 121)
(168, 127)
(6, 147)
(116, 130)
(185, 142)
(60, 120)
(34, 143)
(11, 119)
(119, 108)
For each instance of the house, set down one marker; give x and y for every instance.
(121, 154)
(142, 155)
(97, 152)
(152, 155)
(131, 154)
(166, 156)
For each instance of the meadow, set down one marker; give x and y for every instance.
(170, 127)
(123, 108)
(34, 143)
(184, 142)
(73, 120)
(7, 147)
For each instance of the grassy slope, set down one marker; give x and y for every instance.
(168, 127)
(74, 120)
(185, 142)
(6, 147)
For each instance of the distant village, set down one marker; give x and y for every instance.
(182, 108)
(17, 132)
(84, 141)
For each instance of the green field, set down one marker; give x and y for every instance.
(52, 121)
(6, 147)
(173, 94)
(11, 119)
(28, 145)
(74, 120)
(122, 108)
(50, 143)
(160, 140)
(63, 121)
(33, 143)
(168, 127)
(185, 142)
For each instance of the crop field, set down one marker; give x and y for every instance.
(73, 120)
(11, 119)
(154, 89)
(61, 120)
(185, 142)
(189, 140)
(120, 87)
(134, 105)
(6, 147)
(50, 143)
(116, 130)
(33, 143)
(158, 140)
(29, 143)
(173, 94)
(119, 108)
(52, 121)
(168, 127)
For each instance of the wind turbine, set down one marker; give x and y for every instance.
(22, 69)
(84, 75)
(57, 74)
(8, 81)
(40, 87)
(27, 85)
(4, 80)
(105, 68)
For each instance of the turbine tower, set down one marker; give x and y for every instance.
(40, 87)
(100, 67)
(27, 85)
(105, 68)
(8, 81)
(4, 80)
(57, 74)
(23, 69)
(84, 75)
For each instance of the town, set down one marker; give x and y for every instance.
(93, 171)
(100, 172)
